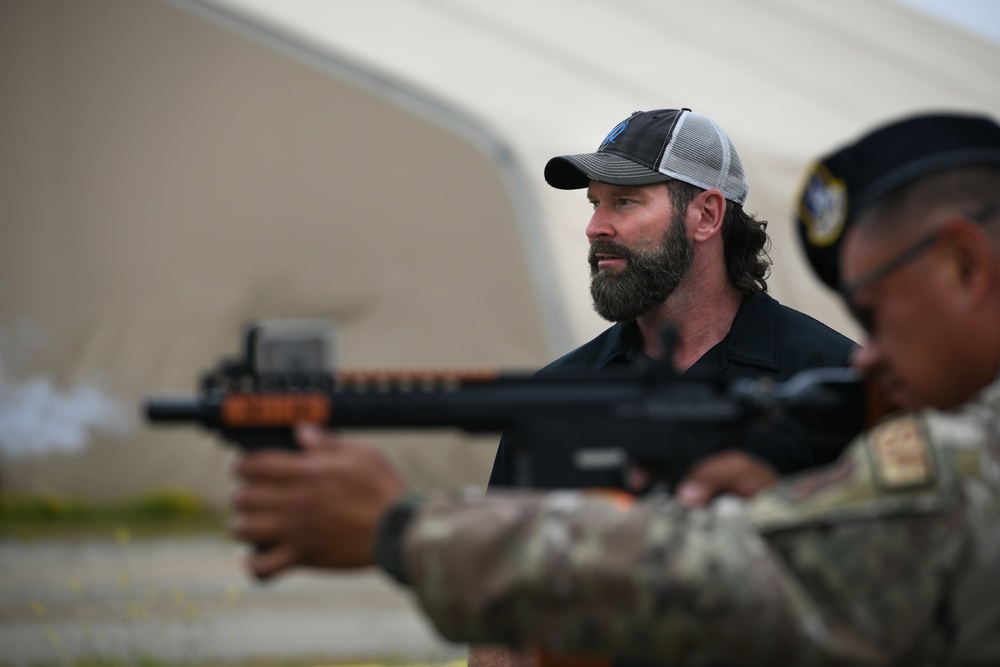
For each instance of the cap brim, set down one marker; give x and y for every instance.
(574, 172)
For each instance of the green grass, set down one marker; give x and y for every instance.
(156, 513)
(253, 662)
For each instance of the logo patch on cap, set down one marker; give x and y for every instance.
(823, 210)
(613, 134)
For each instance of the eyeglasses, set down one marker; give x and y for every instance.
(864, 315)
(848, 291)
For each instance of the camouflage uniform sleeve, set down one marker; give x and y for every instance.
(842, 566)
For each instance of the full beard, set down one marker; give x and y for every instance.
(647, 280)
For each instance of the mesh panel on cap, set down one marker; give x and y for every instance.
(701, 154)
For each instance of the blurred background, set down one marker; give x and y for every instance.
(172, 169)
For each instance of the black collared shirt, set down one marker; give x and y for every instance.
(766, 340)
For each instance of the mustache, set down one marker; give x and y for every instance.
(606, 247)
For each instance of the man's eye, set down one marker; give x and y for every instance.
(624, 202)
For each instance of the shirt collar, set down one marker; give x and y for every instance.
(622, 345)
(753, 338)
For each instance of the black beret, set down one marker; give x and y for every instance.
(841, 185)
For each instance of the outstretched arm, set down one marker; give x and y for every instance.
(573, 572)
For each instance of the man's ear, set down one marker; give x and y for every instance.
(705, 214)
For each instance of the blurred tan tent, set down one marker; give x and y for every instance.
(174, 168)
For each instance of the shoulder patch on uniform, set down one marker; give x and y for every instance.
(900, 454)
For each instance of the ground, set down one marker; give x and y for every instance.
(116, 597)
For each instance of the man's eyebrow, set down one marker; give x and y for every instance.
(619, 190)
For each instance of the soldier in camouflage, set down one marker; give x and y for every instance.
(886, 557)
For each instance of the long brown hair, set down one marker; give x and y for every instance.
(744, 240)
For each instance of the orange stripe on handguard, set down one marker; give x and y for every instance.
(274, 410)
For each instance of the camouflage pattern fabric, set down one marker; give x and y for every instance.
(890, 556)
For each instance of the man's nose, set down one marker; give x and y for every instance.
(600, 224)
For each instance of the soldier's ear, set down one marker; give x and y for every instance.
(972, 259)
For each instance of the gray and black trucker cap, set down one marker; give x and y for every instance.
(654, 147)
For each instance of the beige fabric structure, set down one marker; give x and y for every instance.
(174, 168)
